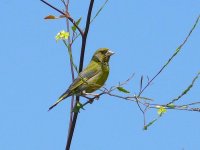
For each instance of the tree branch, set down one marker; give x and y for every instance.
(84, 40)
(66, 15)
(69, 47)
(171, 58)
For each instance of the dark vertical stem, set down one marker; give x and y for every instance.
(72, 127)
(84, 40)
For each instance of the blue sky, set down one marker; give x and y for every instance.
(143, 34)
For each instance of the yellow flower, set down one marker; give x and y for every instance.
(161, 110)
(62, 35)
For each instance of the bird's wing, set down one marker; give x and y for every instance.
(85, 75)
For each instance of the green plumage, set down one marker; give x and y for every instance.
(92, 77)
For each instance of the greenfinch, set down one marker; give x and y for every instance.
(91, 78)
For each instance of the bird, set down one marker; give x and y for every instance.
(91, 78)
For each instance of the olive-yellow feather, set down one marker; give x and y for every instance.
(92, 77)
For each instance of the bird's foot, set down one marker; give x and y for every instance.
(97, 96)
(91, 101)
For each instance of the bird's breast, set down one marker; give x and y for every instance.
(98, 80)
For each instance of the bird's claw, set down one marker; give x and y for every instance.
(91, 101)
(97, 97)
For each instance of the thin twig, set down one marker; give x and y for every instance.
(69, 47)
(143, 111)
(97, 13)
(186, 90)
(147, 105)
(66, 15)
(170, 59)
(100, 9)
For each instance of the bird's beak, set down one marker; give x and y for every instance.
(109, 53)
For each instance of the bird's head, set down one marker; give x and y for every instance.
(102, 55)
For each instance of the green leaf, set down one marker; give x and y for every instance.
(171, 105)
(187, 89)
(77, 23)
(77, 108)
(149, 124)
(121, 89)
(184, 106)
(145, 98)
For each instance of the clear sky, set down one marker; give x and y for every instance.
(35, 71)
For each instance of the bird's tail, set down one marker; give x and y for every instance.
(62, 97)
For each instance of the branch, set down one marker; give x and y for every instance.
(100, 9)
(186, 90)
(69, 47)
(84, 37)
(84, 40)
(171, 58)
(66, 15)
(97, 13)
(138, 100)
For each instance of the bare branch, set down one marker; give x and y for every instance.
(66, 15)
(84, 37)
(171, 58)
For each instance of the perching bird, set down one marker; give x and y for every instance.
(91, 78)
